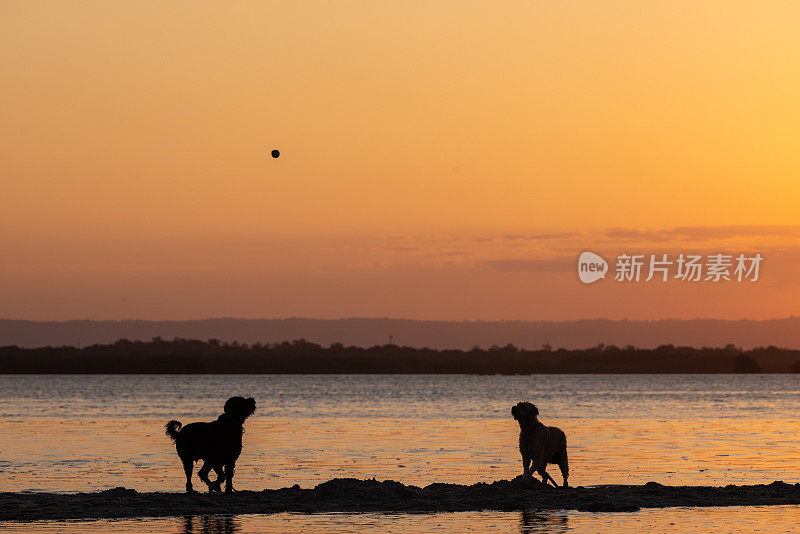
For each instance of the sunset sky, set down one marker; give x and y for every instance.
(440, 160)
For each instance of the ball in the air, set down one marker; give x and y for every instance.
(275, 153)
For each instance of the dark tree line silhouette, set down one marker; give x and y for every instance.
(302, 357)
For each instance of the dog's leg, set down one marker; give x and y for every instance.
(203, 474)
(526, 462)
(188, 467)
(538, 465)
(563, 464)
(546, 476)
(229, 478)
(217, 484)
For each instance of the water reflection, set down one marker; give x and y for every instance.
(721, 520)
(531, 522)
(211, 524)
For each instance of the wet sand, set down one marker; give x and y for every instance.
(352, 495)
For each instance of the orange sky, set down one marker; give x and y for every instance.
(415, 138)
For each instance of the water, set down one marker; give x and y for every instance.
(87, 433)
(728, 520)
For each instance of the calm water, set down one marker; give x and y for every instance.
(86, 433)
(729, 520)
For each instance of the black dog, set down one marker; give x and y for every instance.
(218, 443)
(539, 444)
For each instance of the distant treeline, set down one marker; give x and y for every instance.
(300, 356)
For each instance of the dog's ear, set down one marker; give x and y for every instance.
(232, 404)
(515, 411)
(251, 405)
(534, 409)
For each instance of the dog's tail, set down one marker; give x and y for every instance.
(173, 427)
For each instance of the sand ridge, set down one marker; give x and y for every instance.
(353, 495)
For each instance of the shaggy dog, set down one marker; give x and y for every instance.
(539, 444)
(217, 443)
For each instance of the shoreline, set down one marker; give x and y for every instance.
(353, 495)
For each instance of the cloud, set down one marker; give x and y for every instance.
(538, 237)
(454, 253)
(538, 265)
(403, 248)
(632, 234)
(715, 232)
(700, 233)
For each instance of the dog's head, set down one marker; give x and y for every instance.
(240, 408)
(524, 411)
